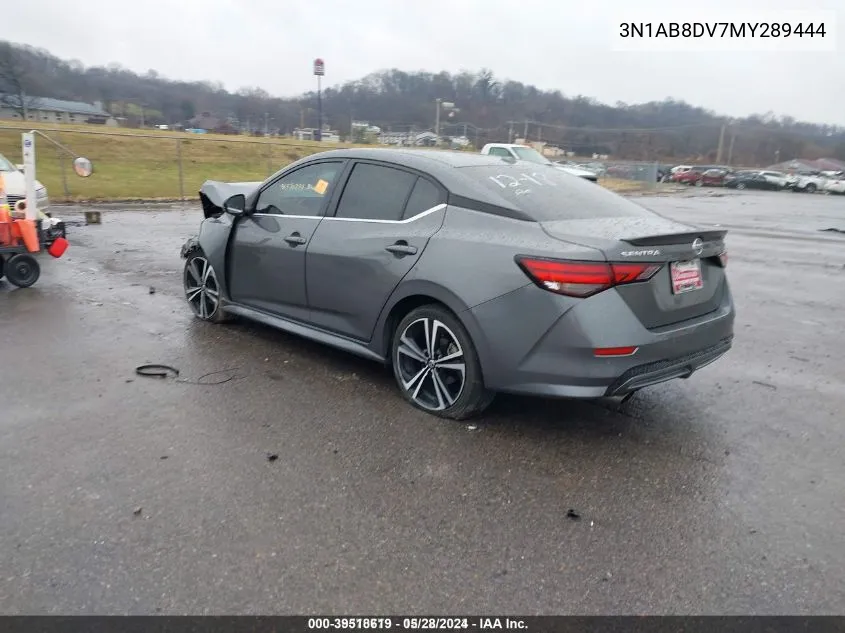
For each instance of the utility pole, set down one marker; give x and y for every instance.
(525, 131)
(731, 147)
(510, 132)
(266, 124)
(437, 121)
(301, 118)
(319, 71)
(721, 144)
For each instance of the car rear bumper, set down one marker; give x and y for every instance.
(661, 371)
(550, 350)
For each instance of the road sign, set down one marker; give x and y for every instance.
(319, 67)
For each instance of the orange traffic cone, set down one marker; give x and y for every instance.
(29, 235)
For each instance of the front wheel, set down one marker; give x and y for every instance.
(436, 365)
(740, 185)
(201, 288)
(811, 188)
(22, 270)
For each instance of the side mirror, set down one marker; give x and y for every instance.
(235, 205)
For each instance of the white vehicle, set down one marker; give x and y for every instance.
(680, 169)
(776, 177)
(15, 185)
(529, 154)
(808, 183)
(835, 185)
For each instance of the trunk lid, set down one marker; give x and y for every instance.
(656, 302)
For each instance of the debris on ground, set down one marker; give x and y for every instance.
(152, 290)
(137, 511)
(271, 457)
(764, 384)
(571, 514)
(472, 427)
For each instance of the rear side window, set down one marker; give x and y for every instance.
(374, 192)
(546, 193)
(424, 196)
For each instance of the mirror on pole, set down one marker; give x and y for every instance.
(83, 167)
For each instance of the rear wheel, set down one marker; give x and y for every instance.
(2, 264)
(740, 185)
(436, 365)
(22, 270)
(201, 288)
(810, 188)
(699, 183)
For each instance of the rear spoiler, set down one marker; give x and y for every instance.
(675, 238)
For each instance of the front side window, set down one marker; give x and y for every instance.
(374, 192)
(302, 192)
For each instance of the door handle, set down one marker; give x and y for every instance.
(401, 248)
(295, 239)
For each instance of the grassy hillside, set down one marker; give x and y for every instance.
(144, 165)
(130, 164)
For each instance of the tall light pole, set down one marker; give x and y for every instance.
(446, 105)
(319, 71)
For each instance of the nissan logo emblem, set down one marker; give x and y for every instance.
(698, 246)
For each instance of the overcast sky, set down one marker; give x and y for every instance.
(553, 44)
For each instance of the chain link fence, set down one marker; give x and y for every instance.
(140, 165)
(648, 173)
(130, 166)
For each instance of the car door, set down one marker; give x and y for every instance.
(267, 253)
(359, 253)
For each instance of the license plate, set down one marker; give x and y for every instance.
(686, 276)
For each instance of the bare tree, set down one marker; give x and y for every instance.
(15, 77)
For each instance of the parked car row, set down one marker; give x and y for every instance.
(721, 176)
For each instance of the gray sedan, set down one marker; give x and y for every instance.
(467, 274)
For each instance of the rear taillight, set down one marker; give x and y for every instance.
(583, 279)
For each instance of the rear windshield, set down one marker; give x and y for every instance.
(546, 193)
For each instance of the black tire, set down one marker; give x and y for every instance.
(2, 265)
(740, 185)
(810, 188)
(22, 270)
(202, 291)
(467, 400)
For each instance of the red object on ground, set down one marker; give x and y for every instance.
(58, 247)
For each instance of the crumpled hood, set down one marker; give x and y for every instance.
(214, 193)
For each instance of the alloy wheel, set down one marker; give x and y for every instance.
(201, 287)
(431, 364)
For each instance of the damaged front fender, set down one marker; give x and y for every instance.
(214, 193)
(191, 244)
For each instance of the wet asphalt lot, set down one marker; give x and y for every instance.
(129, 495)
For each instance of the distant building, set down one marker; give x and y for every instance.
(55, 110)
(310, 134)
